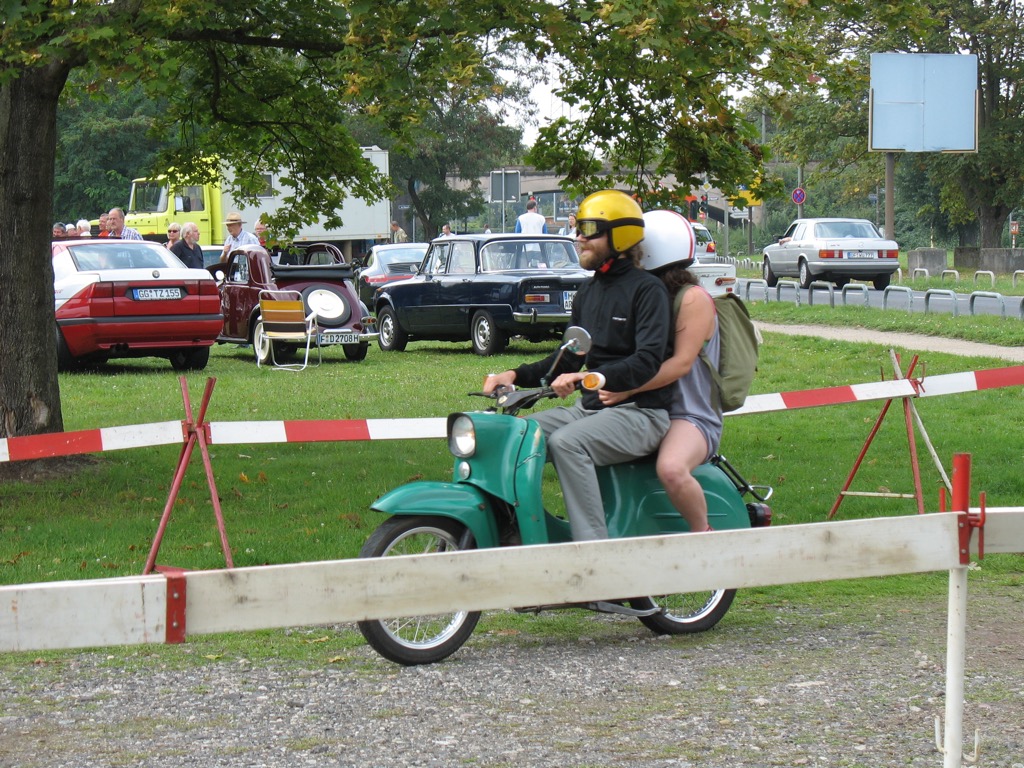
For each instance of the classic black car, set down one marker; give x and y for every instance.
(483, 288)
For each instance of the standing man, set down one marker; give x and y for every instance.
(237, 237)
(104, 226)
(187, 248)
(115, 223)
(398, 234)
(531, 222)
(626, 311)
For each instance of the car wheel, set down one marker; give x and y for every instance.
(766, 271)
(391, 337)
(330, 304)
(261, 344)
(190, 359)
(881, 282)
(806, 278)
(65, 360)
(486, 337)
(355, 352)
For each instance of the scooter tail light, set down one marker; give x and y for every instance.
(461, 435)
(760, 514)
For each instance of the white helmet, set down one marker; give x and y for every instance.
(668, 240)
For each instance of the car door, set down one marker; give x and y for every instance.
(416, 300)
(237, 296)
(455, 289)
(787, 256)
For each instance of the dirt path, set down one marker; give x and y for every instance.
(911, 341)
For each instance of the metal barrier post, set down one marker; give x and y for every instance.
(821, 284)
(946, 293)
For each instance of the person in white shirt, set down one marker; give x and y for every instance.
(570, 229)
(531, 222)
(237, 237)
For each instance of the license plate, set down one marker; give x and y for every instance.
(155, 294)
(567, 299)
(860, 254)
(339, 338)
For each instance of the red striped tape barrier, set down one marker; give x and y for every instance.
(334, 430)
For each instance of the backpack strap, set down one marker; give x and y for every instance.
(716, 377)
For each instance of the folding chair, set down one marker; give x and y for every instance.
(283, 319)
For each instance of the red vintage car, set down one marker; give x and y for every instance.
(319, 274)
(123, 298)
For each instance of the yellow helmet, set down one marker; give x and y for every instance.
(615, 212)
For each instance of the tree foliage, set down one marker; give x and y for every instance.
(104, 140)
(461, 140)
(271, 84)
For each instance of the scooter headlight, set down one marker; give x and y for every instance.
(462, 436)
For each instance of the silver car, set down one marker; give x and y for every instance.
(835, 250)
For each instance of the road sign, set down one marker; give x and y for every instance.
(504, 186)
(1014, 228)
(799, 196)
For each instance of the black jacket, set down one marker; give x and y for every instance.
(626, 311)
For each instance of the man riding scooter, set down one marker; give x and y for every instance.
(626, 311)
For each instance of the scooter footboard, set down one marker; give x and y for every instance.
(457, 501)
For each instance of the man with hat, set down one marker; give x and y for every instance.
(237, 237)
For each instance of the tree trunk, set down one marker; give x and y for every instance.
(29, 391)
(991, 219)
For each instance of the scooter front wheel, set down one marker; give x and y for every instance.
(419, 639)
(685, 613)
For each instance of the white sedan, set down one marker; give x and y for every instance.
(834, 250)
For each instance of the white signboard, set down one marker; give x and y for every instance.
(923, 102)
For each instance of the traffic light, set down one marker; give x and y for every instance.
(694, 209)
(703, 203)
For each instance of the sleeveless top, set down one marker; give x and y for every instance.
(692, 395)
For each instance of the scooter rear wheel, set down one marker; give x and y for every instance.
(419, 639)
(685, 613)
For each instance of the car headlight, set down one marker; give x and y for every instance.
(462, 437)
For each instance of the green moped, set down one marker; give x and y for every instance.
(495, 500)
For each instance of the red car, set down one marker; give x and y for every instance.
(131, 298)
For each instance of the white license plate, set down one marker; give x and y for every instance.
(567, 299)
(860, 254)
(339, 338)
(155, 294)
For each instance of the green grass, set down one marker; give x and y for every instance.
(304, 502)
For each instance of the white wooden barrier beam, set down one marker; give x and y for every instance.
(133, 610)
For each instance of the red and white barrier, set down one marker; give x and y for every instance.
(323, 430)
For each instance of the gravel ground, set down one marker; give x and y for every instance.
(840, 687)
(801, 687)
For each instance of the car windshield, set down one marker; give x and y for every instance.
(831, 229)
(506, 255)
(127, 254)
(401, 256)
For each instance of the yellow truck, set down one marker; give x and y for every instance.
(155, 203)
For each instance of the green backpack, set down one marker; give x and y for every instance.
(737, 358)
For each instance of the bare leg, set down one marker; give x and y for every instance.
(683, 450)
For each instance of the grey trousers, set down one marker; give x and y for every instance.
(580, 440)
